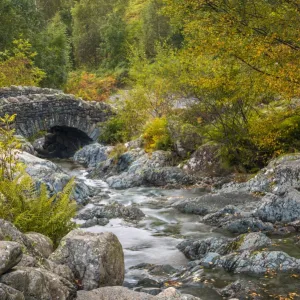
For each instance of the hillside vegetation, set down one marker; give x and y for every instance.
(234, 63)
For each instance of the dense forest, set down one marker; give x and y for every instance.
(197, 72)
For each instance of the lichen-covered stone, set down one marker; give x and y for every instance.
(10, 255)
(39, 284)
(95, 259)
(41, 242)
(8, 293)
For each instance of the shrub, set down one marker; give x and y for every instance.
(113, 131)
(156, 135)
(89, 86)
(30, 208)
(17, 67)
(117, 152)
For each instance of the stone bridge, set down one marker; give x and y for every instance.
(66, 121)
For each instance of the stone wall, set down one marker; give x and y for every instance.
(40, 109)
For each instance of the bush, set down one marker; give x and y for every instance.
(156, 135)
(117, 152)
(276, 131)
(89, 86)
(113, 131)
(30, 208)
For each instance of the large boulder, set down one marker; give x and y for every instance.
(111, 211)
(95, 259)
(10, 255)
(8, 232)
(206, 161)
(93, 154)
(284, 208)
(8, 293)
(39, 284)
(41, 243)
(150, 169)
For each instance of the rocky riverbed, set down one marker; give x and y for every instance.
(160, 232)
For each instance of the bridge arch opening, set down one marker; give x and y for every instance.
(61, 142)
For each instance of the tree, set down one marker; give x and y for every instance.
(261, 36)
(17, 66)
(18, 17)
(53, 53)
(94, 31)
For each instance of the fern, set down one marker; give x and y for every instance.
(30, 208)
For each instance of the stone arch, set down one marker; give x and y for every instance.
(40, 110)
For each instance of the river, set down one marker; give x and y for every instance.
(153, 240)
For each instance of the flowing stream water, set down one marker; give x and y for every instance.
(153, 240)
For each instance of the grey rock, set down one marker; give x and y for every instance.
(284, 209)
(122, 293)
(148, 282)
(252, 241)
(39, 284)
(172, 293)
(25, 145)
(212, 202)
(94, 221)
(222, 215)
(41, 242)
(29, 261)
(113, 293)
(95, 259)
(151, 170)
(10, 255)
(196, 249)
(93, 154)
(8, 293)
(206, 161)
(61, 270)
(241, 289)
(209, 259)
(8, 232)
(135, 144)
(151, 291)
(38, 144)
(246, 224)
(110, 211)
(258, 262)
(199, 249)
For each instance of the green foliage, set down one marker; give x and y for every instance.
(156, 135)
(112, 131)
(53, 53)
(98, 32)
(118, 150)
(17, 66)
(30, 208)
(18, 17)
